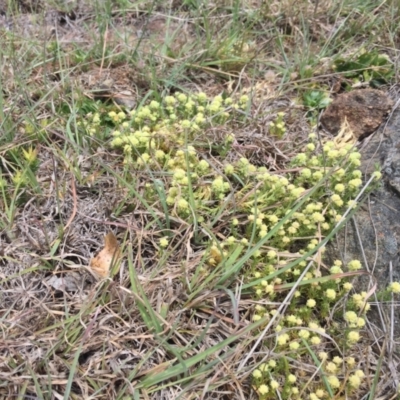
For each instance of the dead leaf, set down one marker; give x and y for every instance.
(345, 135)
(110, 254)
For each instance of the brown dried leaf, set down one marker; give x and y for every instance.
(110, 254)
(345, 135)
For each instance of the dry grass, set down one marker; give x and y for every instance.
(158, 329)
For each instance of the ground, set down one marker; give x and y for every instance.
(167, 307)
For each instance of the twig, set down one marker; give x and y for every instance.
(75, 200)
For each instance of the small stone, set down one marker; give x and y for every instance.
(364, 110)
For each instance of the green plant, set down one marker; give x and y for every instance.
(369, 67)
(273, 225)
(277, 127)
(315, 101)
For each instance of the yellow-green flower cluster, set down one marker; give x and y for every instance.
(167, 139)
(394, 287)
(265, 383)
(277, 127)
(92, 123)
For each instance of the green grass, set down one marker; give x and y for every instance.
(191, 319)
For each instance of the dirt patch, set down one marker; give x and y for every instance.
(364, 110)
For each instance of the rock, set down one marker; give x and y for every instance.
(72, 282)
(364, 110)
(373, 234)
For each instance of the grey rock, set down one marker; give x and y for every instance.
(373, 234)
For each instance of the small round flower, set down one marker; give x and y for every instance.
(271, 254)
(274, 384)
(394, 287)
(360, 323)
(179, 174)
(354, 265)
(338, 360)
(377, 175)
(333, 381)
(331, 367)
(257, 374)
(244, 99)
(351, 317)
(339, 188)
(317, 217)
(323, 355)
(169, 100)
(355, 183)
(330, 294)
(263, 389)
(117, 142)
(315, 340)
(301, 158)
(317, 175)
(360, 373)
(263, 367)
(272, 363)
(336, 270)
(347, 286)
(159, 154)
(283, 339)
(203, 165)
(294, 345)
(336, 199)
(354, 381)
(170, 200)
(183, 205)
(269, 289)
(273, 218)
(186, 124)
(262, 234)
(257, 254)
(311, 303)
(163, 242)
(338, 218)
(229, 169)
(350, 361)
(291, 378)
(202, 97)
(231, 240)
(304, 334)
(182, 98)
(295, 390)
(310, 147)
(305, 173)
(353, 337)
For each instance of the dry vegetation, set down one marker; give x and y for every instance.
(175, 319)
